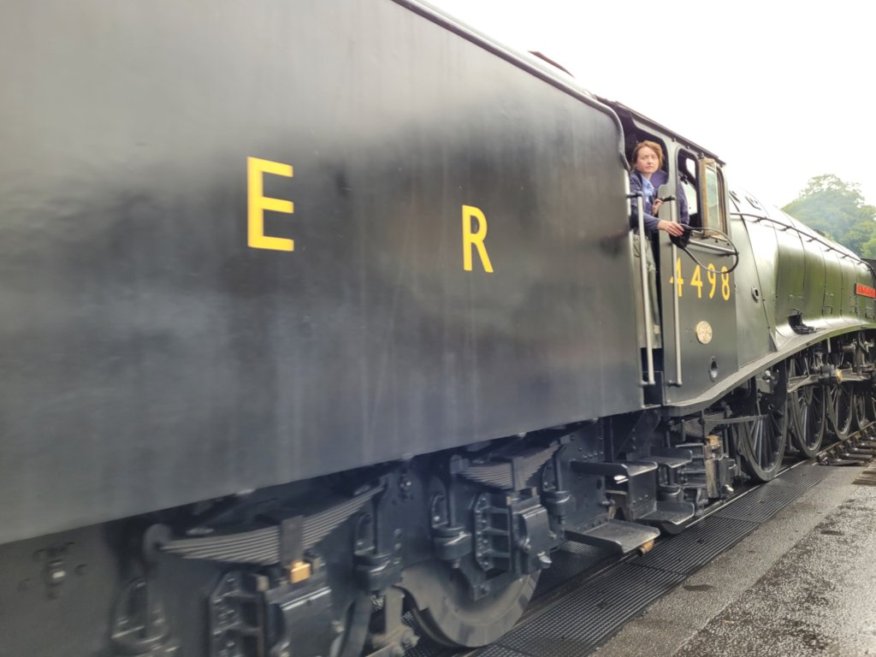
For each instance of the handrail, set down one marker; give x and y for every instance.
(676, 314)
(646, 292)
(830, 246)
(713, 248)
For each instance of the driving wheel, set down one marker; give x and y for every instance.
(806, 409)
(862, 402)
(761, 441)
(840, 409)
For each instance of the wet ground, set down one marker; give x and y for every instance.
(802, 584)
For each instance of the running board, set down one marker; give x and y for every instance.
(618, 535)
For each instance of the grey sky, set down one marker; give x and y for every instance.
(782, 92)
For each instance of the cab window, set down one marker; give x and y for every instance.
(687, 178)
(713, 210)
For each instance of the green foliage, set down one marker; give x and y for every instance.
(868, 250)
(859, 234)
(837, 209)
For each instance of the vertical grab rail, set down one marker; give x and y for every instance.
(675, 310)
(646, 290)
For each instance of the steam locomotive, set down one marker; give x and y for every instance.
(319, 314)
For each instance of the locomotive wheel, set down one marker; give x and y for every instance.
(762, 441)
(869, 394)
(840, 410)
(868, 405)
(445, 612)
(806, 410)
(863, 404)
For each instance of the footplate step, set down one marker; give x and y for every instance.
(670, 516)
(618, 535)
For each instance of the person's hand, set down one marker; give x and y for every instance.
(655, 206)
(670, 227)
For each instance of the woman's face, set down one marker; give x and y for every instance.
(647, 160)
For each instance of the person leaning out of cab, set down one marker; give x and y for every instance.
(646, 176)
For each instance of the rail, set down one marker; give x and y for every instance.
(646, 290)
(676, 313)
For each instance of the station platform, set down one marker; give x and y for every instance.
(801, 584)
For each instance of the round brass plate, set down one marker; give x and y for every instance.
(704, 332)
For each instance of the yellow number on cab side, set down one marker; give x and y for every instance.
(697, 281)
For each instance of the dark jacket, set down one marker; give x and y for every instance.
(658, 178)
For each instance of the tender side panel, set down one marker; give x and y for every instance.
(152, 357)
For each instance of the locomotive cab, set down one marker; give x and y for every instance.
(696, 295)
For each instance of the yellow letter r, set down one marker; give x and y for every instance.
(474, 239)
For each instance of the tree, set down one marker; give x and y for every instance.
(837, 209)
(859, 233)
(868, 250)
